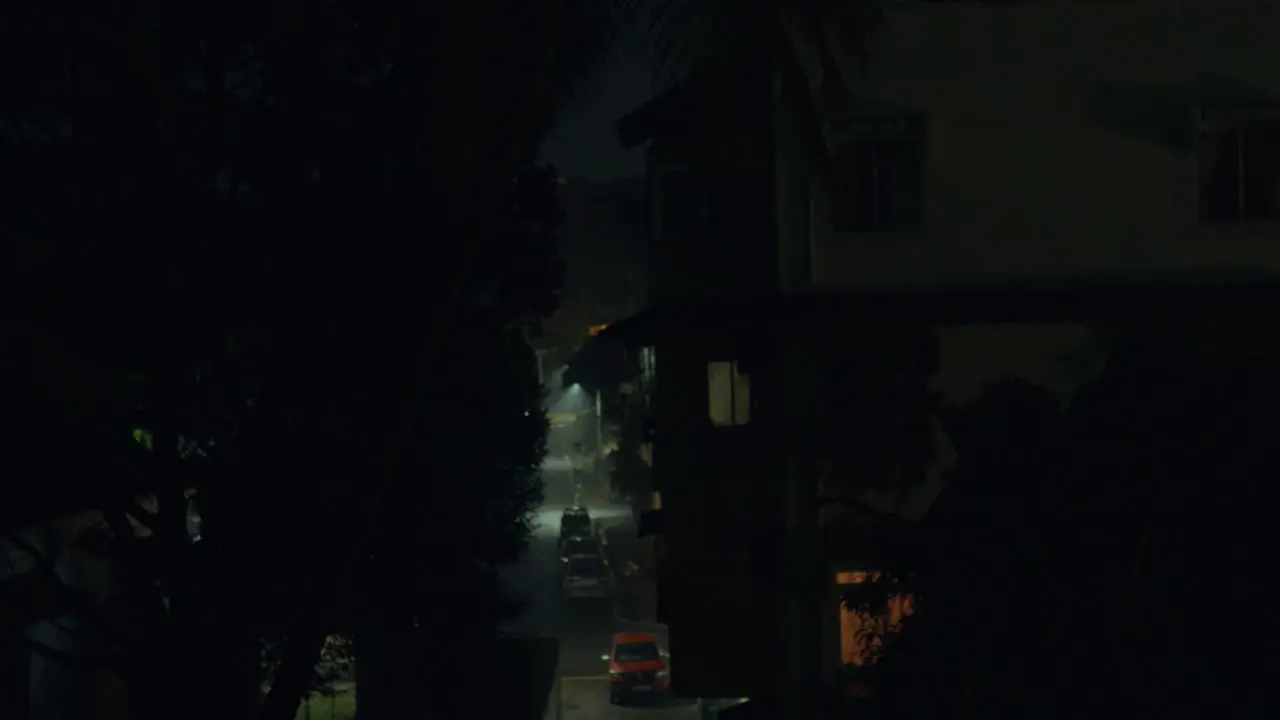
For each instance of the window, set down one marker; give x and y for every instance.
(575, 525)
(1240, 168)
(863, 633)
(580, 546)
(879, 176)
(728, 394)
(587, 567)
(637, 652)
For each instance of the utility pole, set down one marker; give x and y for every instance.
(803, 607)
(803, 571)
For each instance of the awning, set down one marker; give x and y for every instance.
(1027, 300)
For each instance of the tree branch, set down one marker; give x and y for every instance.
(83, 662)
(864, 508)
(42, 561)
(118, 522)
(144, 516)
(302, 652)
(75, 599)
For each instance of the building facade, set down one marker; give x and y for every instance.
(1003, 186)
(1049, 138)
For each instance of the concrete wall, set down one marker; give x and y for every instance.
(1060, 137)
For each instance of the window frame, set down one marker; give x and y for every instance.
(738, 381)
(1211, 122)
(876, 132)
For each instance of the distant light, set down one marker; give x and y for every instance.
(595, 330)
(526, 413)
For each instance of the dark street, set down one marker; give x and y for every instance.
(584, 629)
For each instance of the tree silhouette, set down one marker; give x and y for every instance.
(294, 246)
(1093, 546)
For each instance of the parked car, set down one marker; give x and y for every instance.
(574, 522)
(586, 578)
(575, 547)
(638, 668)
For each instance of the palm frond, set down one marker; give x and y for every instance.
(687, 34)
(589, 31)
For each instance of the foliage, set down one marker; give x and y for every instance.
(885, 434)
(1080, 546)
(630, 475)
(336, 663)
(727, 58)
(690, 34)
(289, 237)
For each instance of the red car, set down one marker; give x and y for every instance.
(638, 667)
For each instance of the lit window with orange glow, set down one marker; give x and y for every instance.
(862, 633)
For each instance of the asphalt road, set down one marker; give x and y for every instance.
(583, 628)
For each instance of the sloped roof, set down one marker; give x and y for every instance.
(710, 98)
(643, 123)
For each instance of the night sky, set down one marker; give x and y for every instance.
(582, 144)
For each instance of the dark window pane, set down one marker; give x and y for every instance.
(581, 567)
(1260, 152)
(1220, 177)
(637, 652)
(865, 178)
(900, 185)
(878, 186)
(854, 196)
(843, 188)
